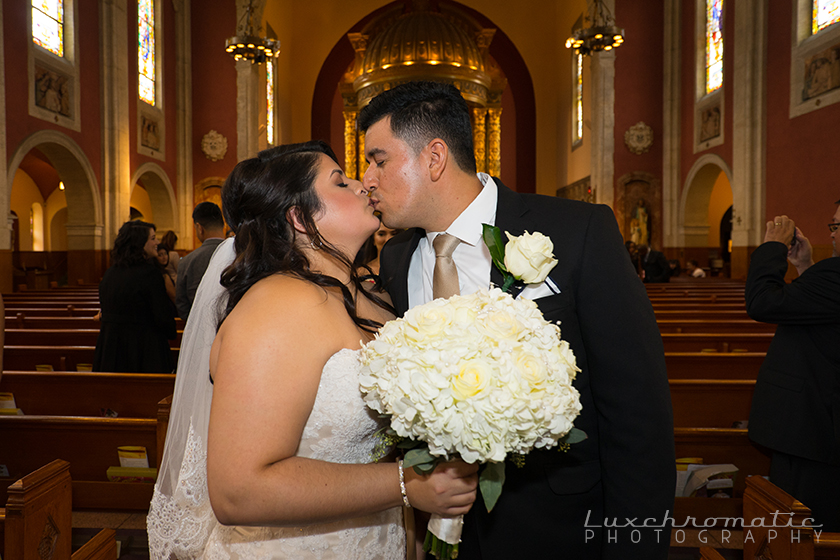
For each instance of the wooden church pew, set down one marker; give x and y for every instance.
(65, 311)
(67, 393)
(61, 358)
(38, 513)
(710, 403)
(713, 326)
(60, 337)
(709, 553)
(89, 445)
(24, 321)
(713, 365)
(777, 527)
(719, 342)
(707, 313)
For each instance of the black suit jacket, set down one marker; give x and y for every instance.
(656, 267)
(625, 469)
(796, 404)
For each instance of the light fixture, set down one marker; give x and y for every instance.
(602, 35)
(247, 45)
(61, 185)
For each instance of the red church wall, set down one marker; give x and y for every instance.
(802, 152)
(688, 88)
(19, 125)
(213, 85)
(638, 93)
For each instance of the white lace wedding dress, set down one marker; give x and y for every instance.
(340, 429)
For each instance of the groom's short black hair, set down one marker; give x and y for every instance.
(422, 111)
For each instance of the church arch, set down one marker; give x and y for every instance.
(694, 209)
(519, 142)
(161, 194)
(84, 204)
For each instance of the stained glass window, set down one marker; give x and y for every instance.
(269, 103)
(48, 25)
(578, 103)
(714, 45)
(826, 12)
(146, 50)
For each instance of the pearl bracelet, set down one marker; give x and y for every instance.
(402, 483)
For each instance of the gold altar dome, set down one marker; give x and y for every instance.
(421, 44)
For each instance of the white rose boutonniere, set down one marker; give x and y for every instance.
(525, 259)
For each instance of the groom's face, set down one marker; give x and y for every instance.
(395, 177)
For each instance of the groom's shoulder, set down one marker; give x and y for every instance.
(557, 207)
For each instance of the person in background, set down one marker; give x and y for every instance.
(369, 254)
(210, 230)
(676, 269)
(694, 270)
(797, 394)
(168, 278)
(138, 319)
(653, 264)
(168, 242)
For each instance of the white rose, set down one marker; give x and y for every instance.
(529, 257)
(500, 326)
(531, 367)
(427, 321)
(473, 377)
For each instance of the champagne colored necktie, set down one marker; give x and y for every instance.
(445, 277)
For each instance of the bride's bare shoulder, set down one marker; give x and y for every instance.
(281, 300)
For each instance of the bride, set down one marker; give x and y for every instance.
(272, 453)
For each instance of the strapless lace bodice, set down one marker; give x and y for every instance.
(340, 429)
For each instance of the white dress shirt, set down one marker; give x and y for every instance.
(471, 257)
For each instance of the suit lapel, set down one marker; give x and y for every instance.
(510, 217)
(399, 285)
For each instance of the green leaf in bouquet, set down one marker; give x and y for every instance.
(409, 443)
(490, 482)
(422, 461)
(574, 436)
(493, 239)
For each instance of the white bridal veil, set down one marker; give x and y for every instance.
(180, 518)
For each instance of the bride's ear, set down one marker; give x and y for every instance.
(294, 219)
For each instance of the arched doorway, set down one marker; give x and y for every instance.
(64, 159)
(518, 116)
(705, 210)
(160, 195)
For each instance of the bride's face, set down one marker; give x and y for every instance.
(346, 219)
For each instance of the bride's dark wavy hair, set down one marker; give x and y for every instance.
(258, 199)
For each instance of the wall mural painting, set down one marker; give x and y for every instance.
(53, 91)
(822, 72)
(150, 133)
(709, 123)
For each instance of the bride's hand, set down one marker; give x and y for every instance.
(449, 490)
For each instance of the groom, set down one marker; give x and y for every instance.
(422, 175)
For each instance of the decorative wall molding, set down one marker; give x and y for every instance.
(639, 138)
(214, 146)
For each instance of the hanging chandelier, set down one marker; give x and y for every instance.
(602, 35)
(247, 45)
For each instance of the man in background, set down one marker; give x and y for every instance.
(653, 264)
(796, 404)
(210, 230)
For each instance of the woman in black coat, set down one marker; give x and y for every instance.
(138, 319)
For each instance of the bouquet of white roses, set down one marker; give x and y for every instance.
(478, 376)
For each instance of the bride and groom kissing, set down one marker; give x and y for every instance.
(273, 456)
